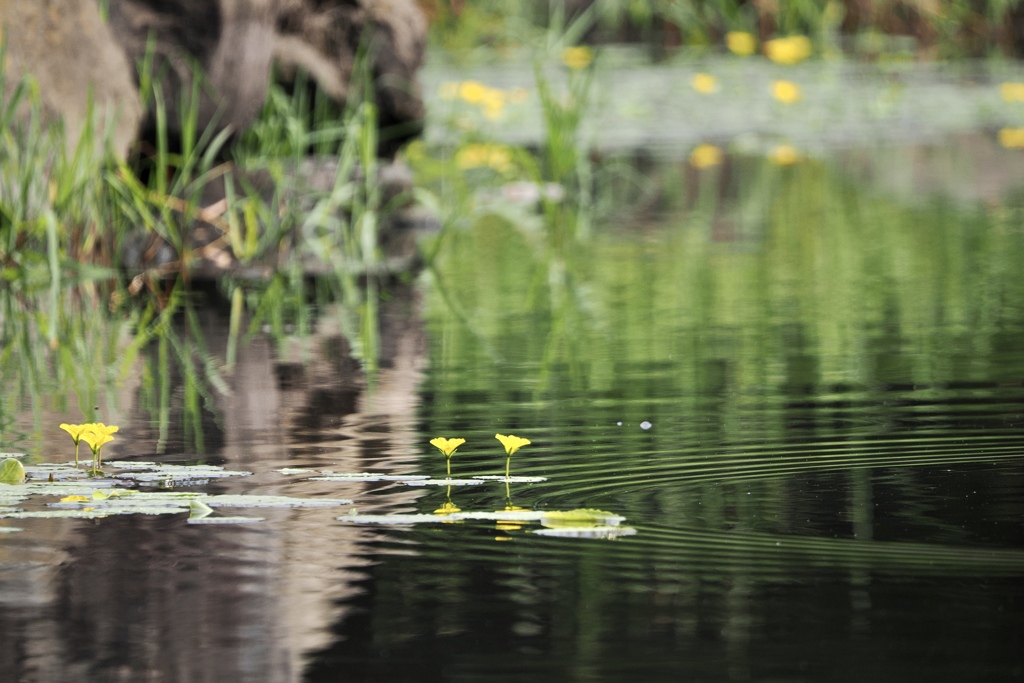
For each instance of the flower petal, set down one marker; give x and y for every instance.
(512, 443)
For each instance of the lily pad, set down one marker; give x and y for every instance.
(369, 476)
(398, 519)
(441, 482)
(254, 501)
(512, 480)
(224, 520)
(580, 518)
(12, 472)
(587, 531)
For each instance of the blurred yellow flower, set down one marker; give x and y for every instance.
(784, 155)
(1012, 92)
(480, 155)
(790, 50)
(786, 92)
(96, 441)
(705, 156)
(472, 92)
(1012, 138)
(704, 83)
(578, 57)
(741, 43)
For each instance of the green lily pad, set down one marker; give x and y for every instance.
(397, 519)
(9, 529)
(580, 518)
(12, 472)
(512, 480)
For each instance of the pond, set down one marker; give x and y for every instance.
(775, 418)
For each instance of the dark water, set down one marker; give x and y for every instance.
(830, 484)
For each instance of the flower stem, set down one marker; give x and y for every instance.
(448, 461)
(76, 455)
(508, 465)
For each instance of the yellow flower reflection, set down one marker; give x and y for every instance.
(790, 50)
(741, 43)
(1012, 92)
(447, 448)
(577, 58)
(786, 92)
(784, 155)
(484, 155)
(705, 156)
(705, 84)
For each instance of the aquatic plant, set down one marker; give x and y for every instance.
(741, 43)
(12, 472)
(512, 444)
(447, 447)
(76, 432)
(789, 50)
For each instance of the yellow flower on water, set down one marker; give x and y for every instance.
(741, 43)
(790, 50)
(1012, 92)
(97, 437)
(447, 448)
(512, 444)
(705, 84)
(705, 156)
(786, 92)
(577, 58)
(1011, 138)
(76, 435)
(784, 155)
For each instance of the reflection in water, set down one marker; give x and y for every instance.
(829, 485)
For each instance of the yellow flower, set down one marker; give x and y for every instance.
(786, 92)
(1012, 92)
(784, 155)
(790, 50)
(447, 448)
(705, 156)
(1011, 138)
(96, 438)
(75, 499)
(493, 103)
(741, 43)
(101, 428)
(577, 58)
(447, 509)
(76, 435)
(511, 444)
(705, 84)
(472, 92)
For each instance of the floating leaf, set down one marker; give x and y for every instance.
(198, 510)
(587, 531)
(369, 476)
(252, 501)
(580, 518)
(12, 472)
(224, 520)
(441, 482)
(512, 480)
